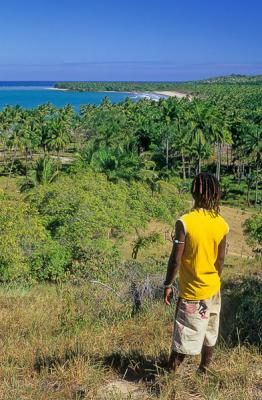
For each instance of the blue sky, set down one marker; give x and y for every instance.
(129, 40)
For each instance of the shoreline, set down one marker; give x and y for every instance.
(150, 95)
(54, 88)
(173, 93)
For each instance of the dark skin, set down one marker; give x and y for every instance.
(174, 264)
(174, 261)
(221, 255)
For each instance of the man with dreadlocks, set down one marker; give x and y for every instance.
(198, 254)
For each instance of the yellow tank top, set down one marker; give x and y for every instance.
(198, 276)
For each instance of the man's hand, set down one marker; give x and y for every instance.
(174, 261)
(168, 293)
(221, 255)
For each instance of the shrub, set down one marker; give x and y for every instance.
(253, 228)
(76, 224)
(88, 216)
(25, 245)
(248, 314)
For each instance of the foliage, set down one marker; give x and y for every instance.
(153, 86)
(92, 177)
(116, 86)
(88, 216)
(45, 172)
(26, 249)
(245, 311)
(253, 228)
(145, 241)
(146, 140)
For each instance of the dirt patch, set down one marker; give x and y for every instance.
(237, 243)
(121, 390)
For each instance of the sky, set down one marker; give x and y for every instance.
(129, 40)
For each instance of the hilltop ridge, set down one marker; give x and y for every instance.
(234, 79)
(138, 86)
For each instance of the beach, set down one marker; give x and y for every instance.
(54, 88)
(173, 94)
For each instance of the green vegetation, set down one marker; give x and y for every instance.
(117, 86)
(236, 79)
(76, 225)
(88, 179)
(246, 300)
(156, 86)
(88, 202)
(253, 228)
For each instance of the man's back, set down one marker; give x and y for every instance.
(199, 278)
(197, 255)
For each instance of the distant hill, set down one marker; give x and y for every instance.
(235, 79)
(117, 86)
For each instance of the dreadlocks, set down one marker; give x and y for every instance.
(206, 192)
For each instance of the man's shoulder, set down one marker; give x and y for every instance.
(190, 215)
(183, 218)
(223, 222)
(186, 220)
(187, 215)
(195, 214)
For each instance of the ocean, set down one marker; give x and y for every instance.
(32, 94)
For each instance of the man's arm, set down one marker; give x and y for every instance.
(221, 255)
(174, 261)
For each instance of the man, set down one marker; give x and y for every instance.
(198, 254)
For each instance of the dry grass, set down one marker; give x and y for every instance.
(77, 342)
(237, 242)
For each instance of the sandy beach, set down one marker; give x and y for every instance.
(149, 95)
(54, 88)
(173, 94)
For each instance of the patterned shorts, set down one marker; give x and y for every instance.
(196, 324)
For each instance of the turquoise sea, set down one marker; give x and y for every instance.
(32, 94)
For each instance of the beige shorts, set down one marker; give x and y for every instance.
(196, 324)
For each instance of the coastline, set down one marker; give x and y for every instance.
(54, 88)
(171, 93)
(149, 95)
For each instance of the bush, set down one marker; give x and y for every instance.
(253, 228)
(25, 245)
(88, 216)
(50, 262)
(249, 313)
(76, 226)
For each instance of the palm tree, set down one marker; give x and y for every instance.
(56, 133)
(180, 118)
(10, 119)
(253, 145)
(199, 128)
(44, 173)
(219, 128)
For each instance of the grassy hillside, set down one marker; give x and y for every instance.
(88, 203)
(235, 79)
(80, 341)
(83, 339)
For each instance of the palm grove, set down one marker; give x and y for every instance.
(88, 178)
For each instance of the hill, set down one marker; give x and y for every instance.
(156, 86)
(235, 79)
